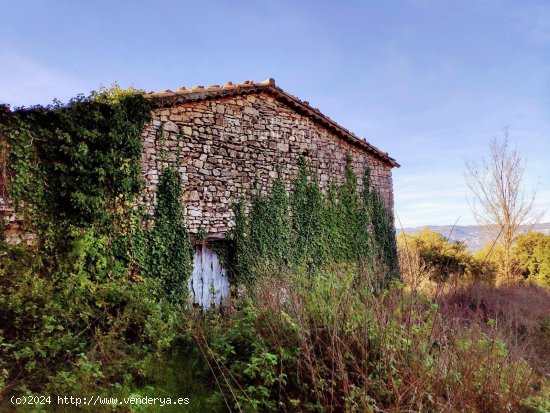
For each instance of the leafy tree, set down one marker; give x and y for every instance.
(531, 254)
(443, 258)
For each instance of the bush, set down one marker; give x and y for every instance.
(531, 254)
(442, 260)
(323, 343)
(75, 329)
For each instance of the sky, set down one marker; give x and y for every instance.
(430, 82)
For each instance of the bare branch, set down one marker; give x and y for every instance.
(499, 202)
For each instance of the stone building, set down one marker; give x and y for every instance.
(226, 140)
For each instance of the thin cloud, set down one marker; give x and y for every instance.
(24, 81)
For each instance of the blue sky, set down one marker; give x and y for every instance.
(428, 81)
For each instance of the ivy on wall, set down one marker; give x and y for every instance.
(380, 220)
(309, 229)
(71, 302)
(72, 166)
(170, 252)
(75, 179)
(75, 174)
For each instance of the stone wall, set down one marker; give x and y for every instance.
(12, 228)
(221, 147)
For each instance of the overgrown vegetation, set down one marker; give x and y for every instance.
(320, 342)
(531, 256)
(99, 304)
(314, 335)
(428, 257)
(94, 302)
(529, 259)
(170, 252)
(438, 260)
(308, 229)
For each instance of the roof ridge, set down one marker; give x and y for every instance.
(199, 88)
(183, 94)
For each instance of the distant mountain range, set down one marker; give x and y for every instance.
(474, 235)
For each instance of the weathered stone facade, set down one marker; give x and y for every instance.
(224, 141)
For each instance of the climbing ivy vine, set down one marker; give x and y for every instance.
(379, 219)
(98, 282)
(170, 249)
(74, 166)
(308, 228)
(75, 180)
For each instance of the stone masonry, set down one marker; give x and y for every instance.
(225, 141)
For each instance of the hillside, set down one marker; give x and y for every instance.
(474, 235)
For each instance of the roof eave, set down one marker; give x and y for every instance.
(169, 98)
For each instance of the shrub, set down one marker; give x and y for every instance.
(531, 253)
(442, 260)
(530, 258)
(323, 343)
(85, 325)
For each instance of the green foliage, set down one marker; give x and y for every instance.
(491, 260)
(239, 242)
(317, 341)
(83, 326)
(180, 372)
(262, 232)
(309, 214)
(70, 165)
(531, 253)
(383, 229)
(81, 312)
(269, 226)
(309, 229)
(254, 365)
(530, 258)
(170, 252)
(75, 310)
(443, 259)
(348, 212)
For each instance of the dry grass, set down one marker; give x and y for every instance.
(394, 352)
(519, 311)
